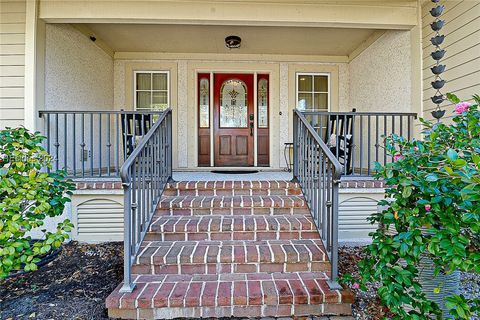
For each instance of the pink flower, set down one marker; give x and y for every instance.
(355, 285)
(415, 148)
(427, 207)
(397, 157)
(462, 107)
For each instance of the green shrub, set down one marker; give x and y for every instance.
(434, 207)
(28, 195)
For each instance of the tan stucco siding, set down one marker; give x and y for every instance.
(12, 62)
(380, 77)
(183, 94)
(78, 76)
(462, 43)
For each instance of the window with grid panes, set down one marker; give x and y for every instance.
(151, 90)
(313, 91)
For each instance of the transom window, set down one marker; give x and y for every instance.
(151, 90)
(313, 91)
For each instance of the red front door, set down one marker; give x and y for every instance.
(233, 120)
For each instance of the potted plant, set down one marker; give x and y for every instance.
(433, 208)
(28, 195)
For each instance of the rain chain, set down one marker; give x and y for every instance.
(437, 55)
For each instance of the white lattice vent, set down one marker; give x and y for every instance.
(99, 220)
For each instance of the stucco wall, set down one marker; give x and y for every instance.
(380, 77)
(78, 76)
(182, 98)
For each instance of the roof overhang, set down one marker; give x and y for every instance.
(386, 14)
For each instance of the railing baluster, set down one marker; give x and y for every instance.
(57, 144)
(376, 138)
(321, 128)
(100, 145)
(361, 146)
(334, 249)
(354, 145)
(108, 144)
(393, 124)
(74, 145)
(92, 152)
(369, 144)
(345, 151)
(324, 201)
(384, 135)
(409, 124)
(128, 285)
(337, 141)
(48, 136)
(82, 145)
(65, 141)
(401, 125)
(117, 144)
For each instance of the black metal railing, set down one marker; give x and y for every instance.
(318, 172)
(356, 138)
(93, 144)
(144, 176)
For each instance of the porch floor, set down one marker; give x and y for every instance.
(211, 176)
(236, 248)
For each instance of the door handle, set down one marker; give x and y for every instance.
(251, 128)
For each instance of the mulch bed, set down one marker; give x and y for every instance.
(367, 304)
(76, 284)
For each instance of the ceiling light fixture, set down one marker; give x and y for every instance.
(233, 42)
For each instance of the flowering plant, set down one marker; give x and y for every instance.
(433, 192)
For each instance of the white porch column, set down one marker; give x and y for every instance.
(182, 113)
(285, 111)
(34, 65)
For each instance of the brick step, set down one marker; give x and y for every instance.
(232, 205)
(229, 295)
(185, 202)
(212, 257)
(231, 211)
(224, 188)
(178, 228)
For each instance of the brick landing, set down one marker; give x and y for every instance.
(223, 249)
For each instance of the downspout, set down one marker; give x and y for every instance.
(437, 56)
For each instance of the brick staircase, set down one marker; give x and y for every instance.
(222, 249)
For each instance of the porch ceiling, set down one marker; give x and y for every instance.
(210, 39)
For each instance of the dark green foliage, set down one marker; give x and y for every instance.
(433, 201)
(28, 195)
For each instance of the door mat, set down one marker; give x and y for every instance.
(234, 172)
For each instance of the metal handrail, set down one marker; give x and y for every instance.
(144, 175)
(323, 145)
(93, 144)
(42, 112)
(318, 172)
(357, 138)
(359, 113)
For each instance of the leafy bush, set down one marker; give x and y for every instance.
(28, 195)
(434, 208)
